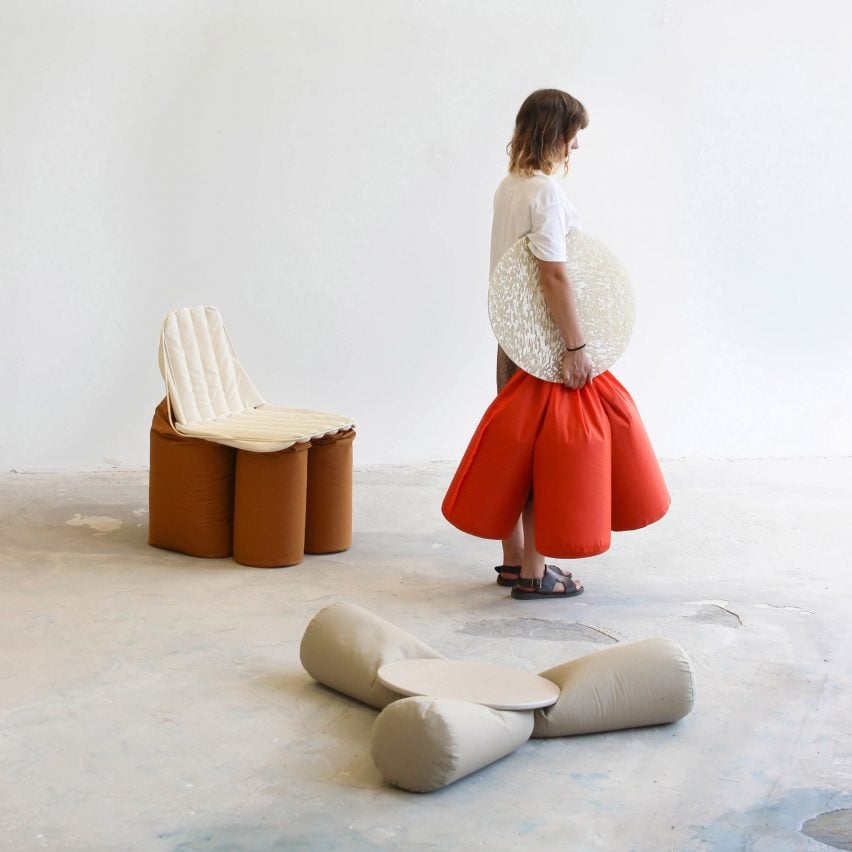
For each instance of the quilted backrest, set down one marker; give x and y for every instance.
(204, 379)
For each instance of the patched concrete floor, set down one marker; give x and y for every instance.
(153, 701)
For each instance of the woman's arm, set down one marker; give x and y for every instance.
(559, 297)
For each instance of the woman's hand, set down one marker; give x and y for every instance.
(576, 369)
(559, 298)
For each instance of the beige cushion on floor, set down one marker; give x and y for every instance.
(344, 646)
(626, 686)
(423, 743)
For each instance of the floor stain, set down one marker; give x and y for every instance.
(317, 834)
(716, 614)
(788, 608)
(538, 628)
(101, 524)
(777, 823)
(833, 828)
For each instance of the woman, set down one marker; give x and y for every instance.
(579, 447)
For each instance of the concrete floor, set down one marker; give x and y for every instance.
(153, 701)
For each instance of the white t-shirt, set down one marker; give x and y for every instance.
(536, 207)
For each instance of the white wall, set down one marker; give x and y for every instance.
(323, 173)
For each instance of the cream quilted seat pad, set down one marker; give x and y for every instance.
(211, 396)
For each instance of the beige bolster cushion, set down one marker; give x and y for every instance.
(424, 743)
(626, 686)
(344, 646)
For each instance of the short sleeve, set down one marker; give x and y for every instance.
(549, 227)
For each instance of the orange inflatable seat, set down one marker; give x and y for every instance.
(583, 455)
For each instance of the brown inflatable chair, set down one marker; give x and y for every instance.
(230, 473)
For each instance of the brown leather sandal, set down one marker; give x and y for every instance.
(507, 569)
(545, 587)
(516, 570)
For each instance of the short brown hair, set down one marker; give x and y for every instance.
(547, 119)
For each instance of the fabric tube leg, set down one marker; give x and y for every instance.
(626, 686)
(494, 478)
(269, 507)
(639, 493)
(425, 743)
(344, 646)
(571, 476)
(190, 492)
(328, 517)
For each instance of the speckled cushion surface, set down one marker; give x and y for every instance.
(522, 323)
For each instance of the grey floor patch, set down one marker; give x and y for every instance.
(833, 828)
(715, 614)
(772, 823)
(538, 628)
(317, 832)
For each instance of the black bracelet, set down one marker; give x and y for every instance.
(575, 349)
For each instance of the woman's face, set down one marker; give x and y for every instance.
(564, 158)
(563, 154)
(572, 145)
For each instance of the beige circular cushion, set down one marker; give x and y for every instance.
(522, 323)
(498, 687)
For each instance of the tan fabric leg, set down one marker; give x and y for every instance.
(269, 507)
(344, 646)
(190, 492)
(625, 686)
(424, 743)
(328, 521)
